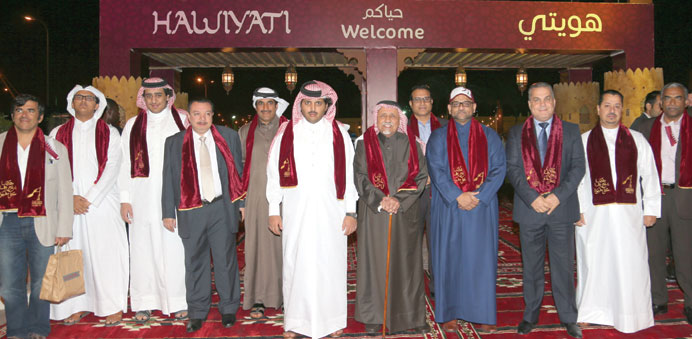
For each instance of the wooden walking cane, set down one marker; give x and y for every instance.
(386, 283)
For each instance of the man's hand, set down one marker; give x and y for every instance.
(540, 205)
(467, 201)
(649, 220)
(59, 241)
(552, 201)
(169, 224)
(242, 214)
(581, 222)
(126, 212)
(349, 225)
(390, 205)
(275, 224)
(81, 205)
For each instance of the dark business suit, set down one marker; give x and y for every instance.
(637, 123)
(557, 228)
(424, 215)
(212, 226)
(676, 218)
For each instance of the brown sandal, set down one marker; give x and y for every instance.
(336, 334)
(257, 311)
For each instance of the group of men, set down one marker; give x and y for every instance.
(183, 185)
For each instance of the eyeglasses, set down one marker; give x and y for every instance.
(79, 97)
(466, 104)
(418, 100)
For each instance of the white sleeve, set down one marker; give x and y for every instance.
(351, 194)
(274, 191)
(125, 181)
(584, 188)
(651, 186)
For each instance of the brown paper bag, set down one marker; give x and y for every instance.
(64, 277)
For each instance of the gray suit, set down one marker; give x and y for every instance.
(676, 218)
(57, 198)
(212, 226)
(557, 228)
(637, 123)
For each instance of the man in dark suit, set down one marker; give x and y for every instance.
(665, 134)
(422, 123)
(203, 195)
(652, 109)
(545, 163)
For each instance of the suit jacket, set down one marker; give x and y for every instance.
(681, 196)
(172, 163)
(571, 173)
(637, 123)
(58, 196)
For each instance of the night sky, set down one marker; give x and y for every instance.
(74, 33)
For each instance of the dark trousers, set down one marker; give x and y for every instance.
(19, 248)
(680, 237)
(560, 239)
(424, 221)
(209, 230)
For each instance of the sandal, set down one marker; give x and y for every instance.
(142, 317)
(181, 315)
(114, 319)
(336, 334)
(71, 320)
(257, 311)
(289, 335)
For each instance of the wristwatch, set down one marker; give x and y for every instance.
(352, 214)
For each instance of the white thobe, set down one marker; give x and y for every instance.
(99, 233)
(613, 285)
(314, 245)
(157, 257)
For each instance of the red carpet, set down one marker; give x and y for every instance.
(509, 304)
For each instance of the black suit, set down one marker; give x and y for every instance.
(212, 226)
(637, 123)
(557, 228)
(676, 218)
(424, 215)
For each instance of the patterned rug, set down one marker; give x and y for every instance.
(509, 305)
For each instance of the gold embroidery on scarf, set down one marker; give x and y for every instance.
(601, 186)
(459, 175)
(138, 160)
(36, 202)
(628, 189)
(550, 175)
(479, 179)
(379, 181)
(285, 165)
(8, 189)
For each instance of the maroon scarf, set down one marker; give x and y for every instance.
(29, 202)
(542, 179)
(685, 179)
(413, 125)
(376, 170)
(139, 153)
(288, 176)
(602, 191)
(249, 142)
(190, 196)
(478, 157)
(103, 136)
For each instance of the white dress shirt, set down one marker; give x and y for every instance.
(22, 159)
(668, 151)
(211, 146)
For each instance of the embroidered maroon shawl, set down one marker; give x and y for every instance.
(685, 179)
(103, 136)
(602, 189)
(478, 157)
(139, 153)
(542, 178)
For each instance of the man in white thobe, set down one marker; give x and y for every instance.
(612, 259)
(157, 260)
(311, 173)
(94, 152)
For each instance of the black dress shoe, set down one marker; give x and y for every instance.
(194, 325)
(660, 309)
(525, 327)
(227, 320)
(573, 330)
(687, 311)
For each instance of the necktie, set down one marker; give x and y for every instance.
(205, 173)
(671, 138)
(543, 140)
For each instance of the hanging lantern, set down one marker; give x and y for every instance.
(291, 78)
(522, 79)
(460, 77)
(227, 79)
